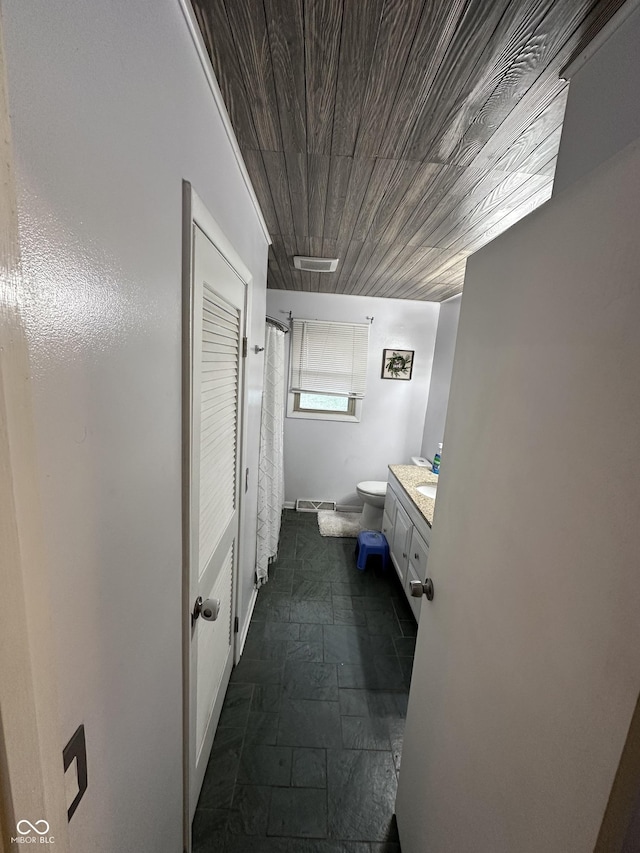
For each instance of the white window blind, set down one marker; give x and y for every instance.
(329, 358)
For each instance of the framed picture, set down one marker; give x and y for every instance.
(397, 363)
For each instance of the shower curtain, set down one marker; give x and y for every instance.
(271, 467)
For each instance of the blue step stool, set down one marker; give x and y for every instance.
(371, 542)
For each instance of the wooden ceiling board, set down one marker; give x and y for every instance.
(503, 218)
(276, 170)
(567, 29)
(296, 167)
(367, 249)
(249, 30)
(541, 95)
(431, 182)
(396, 265)
(357, 46)
(454, 76)
(315, 250)
(213, 19)
(383, 262)
(339, 176)
(395, 262)
(468, 215)
(404, 178)
(318, 170)
(413, 279)
(273, 271)
(255, 165)
(286, 267)
(361, 170)
(439, 192)
(330, 249)
(397, 135)
(535, 139)
(285, 25)
(533, 71)
(411, 261)
(507, 196)
(395, 37)
(381, 176)
(495, 82)
(323, 24)
(346, 265)
(436, 29)
(467, 187)
(550, 168)
(536, 161)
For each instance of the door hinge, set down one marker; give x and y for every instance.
(244, 347)
(235, 625)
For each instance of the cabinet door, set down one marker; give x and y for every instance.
(418, 554)
(400, 542)
(387, 527)
(390, 503)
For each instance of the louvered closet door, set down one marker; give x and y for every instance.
(217, 317)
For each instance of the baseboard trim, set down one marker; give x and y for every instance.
(339, 507)
(247, 622)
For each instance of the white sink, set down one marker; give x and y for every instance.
(428, 491)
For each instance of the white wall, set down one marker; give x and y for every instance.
(441, 375)
(326, 459)
(602, 114)
(110, 111)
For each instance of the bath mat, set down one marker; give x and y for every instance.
(339, 523)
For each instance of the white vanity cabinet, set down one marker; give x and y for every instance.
(408, 534)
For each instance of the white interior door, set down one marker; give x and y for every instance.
(527, 667)
(217, 305)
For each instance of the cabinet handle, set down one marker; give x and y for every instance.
(404, 555)
(416, 556)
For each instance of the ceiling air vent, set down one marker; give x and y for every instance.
(315, 264)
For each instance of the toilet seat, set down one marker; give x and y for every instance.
(378, 488)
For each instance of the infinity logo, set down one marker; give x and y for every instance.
(31, 827)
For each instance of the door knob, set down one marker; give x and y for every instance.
(209, 609)
(419, 589)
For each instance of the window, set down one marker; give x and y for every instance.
(320, 403)
(327, 369)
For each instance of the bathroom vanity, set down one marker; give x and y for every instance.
(407, 520)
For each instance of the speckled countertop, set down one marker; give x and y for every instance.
(411, 476)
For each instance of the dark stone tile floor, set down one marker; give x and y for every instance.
(307, 752)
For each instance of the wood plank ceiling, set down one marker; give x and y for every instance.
(397, 135)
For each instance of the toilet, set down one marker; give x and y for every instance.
(373, 493)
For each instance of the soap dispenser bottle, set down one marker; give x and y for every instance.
(436, 460)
